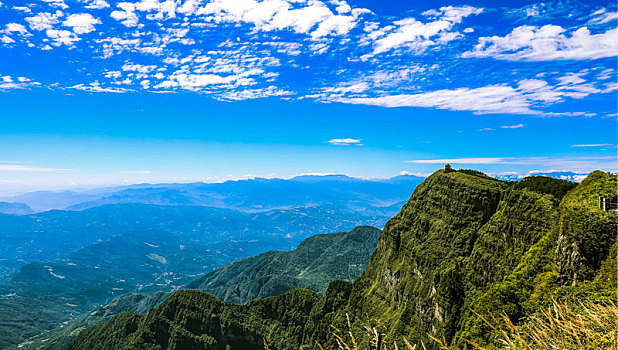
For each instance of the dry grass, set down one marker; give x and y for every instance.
(378, 339)
(582, 325)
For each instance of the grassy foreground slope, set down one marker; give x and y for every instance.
(464, 248)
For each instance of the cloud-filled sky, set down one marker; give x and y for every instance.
(100, 92)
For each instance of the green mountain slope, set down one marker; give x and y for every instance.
(316, 262)
(464, 245)
(312, 265)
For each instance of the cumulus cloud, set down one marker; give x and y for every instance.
(547, 43)
(196, 82)
(43, 20)
(125, 15)
(8, 82)
(15, 28)
(57, 3)
(96, 4)
(81, 23)
(312, 17)
(62, 37)
(139, 68)
(345, 142)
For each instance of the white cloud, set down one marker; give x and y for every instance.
(593, 145)
(138, 68)
(127, 18)
(513, 126)
(97, 4)
(96, 87)
(28, 168)
(417, 35)
(8, 83)
(458, 161)
(567, 162)
(43, 20)
(111, 46)
(57, 3)
(526, 97)
(127, 13)
(61, 37)
(488, 99)
(15, 28)
(487, 129)
(530, 43)
(345, 142)
(267, 15)
(602, 16)
(249, 94)
(81, 23)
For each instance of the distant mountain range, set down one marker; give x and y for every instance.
(15, 208)
(253, 195)
(52, 234)
(562, 175)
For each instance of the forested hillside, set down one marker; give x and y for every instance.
(465, 249)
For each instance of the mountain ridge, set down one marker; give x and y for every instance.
(441, 255)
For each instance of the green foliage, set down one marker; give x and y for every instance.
(545, 184)
(195, 320)
(464, 249)
(476, 173)
(317, 261)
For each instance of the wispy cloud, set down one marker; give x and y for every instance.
(135, 172)
(458, 161)
(487, 129)
(28, 168)
(345, 142)
(513, 126)
(563, 162)
(593, 145)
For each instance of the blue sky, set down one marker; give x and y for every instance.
(95, 92)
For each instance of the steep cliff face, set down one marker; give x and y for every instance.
(464, 245)
(459, 233)
(587, 232)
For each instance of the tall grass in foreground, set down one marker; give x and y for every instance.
(582, 325)
(562, 325)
